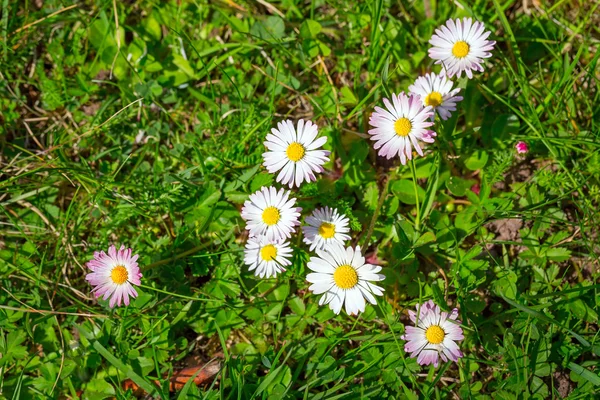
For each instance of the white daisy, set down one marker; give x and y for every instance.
(271, 213)
(401, 126)
(114, 274)
(342, 276)
(295, 152)
(436, 91)
(267, 257)
(325, 227)
(434, 335)
(461, 46)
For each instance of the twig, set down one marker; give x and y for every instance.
(271, 8)
(33, 208)
(44, 18)
(443, 378)
(275, 79)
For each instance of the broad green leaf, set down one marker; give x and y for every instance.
(310, 29)
(477, 160)
(458, 186)
(273, 28)
(404, 190)
(425, 238)
(126, 370)
(347, 96)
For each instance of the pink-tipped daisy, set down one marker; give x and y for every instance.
(434, 335)
(296, 152)
(114, 274)
(522, 148)
(436, 91)
(461, 46)
(400, 127)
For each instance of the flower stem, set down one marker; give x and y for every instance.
(382, 197)
(413, 170)
(177, 257)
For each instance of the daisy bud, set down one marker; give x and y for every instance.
(522, 148)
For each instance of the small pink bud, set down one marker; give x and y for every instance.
(475, 189)
(521, 148)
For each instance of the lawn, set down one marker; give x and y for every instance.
(470, 259)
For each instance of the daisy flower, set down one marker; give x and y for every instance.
(461, 46)
(325, 227)
(267, 257)
(433, 335)
(113, 275)
(436, 91)
(342, 276)
(271, 213)
(400, 127)
(295, 152)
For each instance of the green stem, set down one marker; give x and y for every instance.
(177, 257)
(379, 205)
(175, 294)
(413, 170)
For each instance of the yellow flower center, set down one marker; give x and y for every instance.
(345, 277)
(433, 99)
(295, 152)
(269, 252)
(119, 275)
(460, 49)
(327, 230)
(435, 334)
(271, 215)
(402, 127)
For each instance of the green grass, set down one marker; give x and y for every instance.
(151, 135)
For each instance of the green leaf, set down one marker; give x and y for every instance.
(310, 29)
(297, 306)
(425, 238)
(582, 311)
(404, 190)
(506, 285)
(467, 220)
(371, 196)
(260, 180)
(347, 96)
(152, 27)
(558, 254)
(141, 382)
(99, 389)
(325, 50)
(10, 347)
(311, 47)
(458, 186)
(584, 373)
(272, 28)
(183, 65)
(477, 160)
